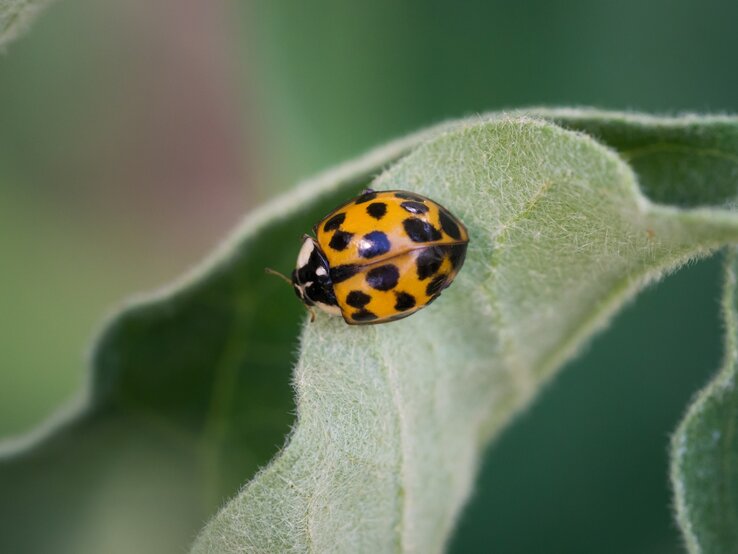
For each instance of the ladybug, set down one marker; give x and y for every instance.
(380, 257)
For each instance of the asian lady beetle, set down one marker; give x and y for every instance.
(380, 257)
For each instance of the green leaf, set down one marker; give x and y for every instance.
(392, 419)
(189, 395)
(704, 470)
(190, 387)
(685, 161)
(16, 16)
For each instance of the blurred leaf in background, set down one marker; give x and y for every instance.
(133, 135)
(123, 159)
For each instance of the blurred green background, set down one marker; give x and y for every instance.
(134, 135)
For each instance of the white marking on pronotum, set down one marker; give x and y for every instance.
(321, 272)
(305, 251)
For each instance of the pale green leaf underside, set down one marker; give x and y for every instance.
(704, 468)
(16, 16)
(392, 418)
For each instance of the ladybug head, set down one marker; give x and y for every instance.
(311, 278)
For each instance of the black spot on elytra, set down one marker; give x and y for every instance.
(342, 272)
(436, 285)
(449, 226)
(377, 209)
(366, 197)
(432, 299)
(373, 244)
(384, 277)
(429, 261)
(415, 207)
(409, 196)
(357, 299)
(340, 240)
(363, 315)
(404, 302)
(420, 231)
(334, 223)
(457, 255)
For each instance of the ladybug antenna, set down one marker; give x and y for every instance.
(276, 273)
(287, 280)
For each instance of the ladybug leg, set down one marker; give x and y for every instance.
(312, 312)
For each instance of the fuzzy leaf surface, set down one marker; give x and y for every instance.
(16, 16)
(704, 454)
(392, 419)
